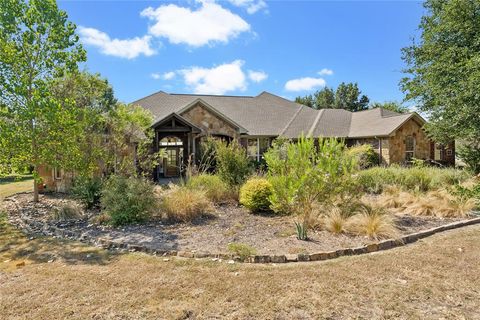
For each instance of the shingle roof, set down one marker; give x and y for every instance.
(271, 115)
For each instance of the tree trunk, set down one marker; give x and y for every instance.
(35, 191)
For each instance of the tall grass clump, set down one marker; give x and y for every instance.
(128, 199)
(373, 222)
(214, 187)
(422, 178)
(232, 163)
(184, 204)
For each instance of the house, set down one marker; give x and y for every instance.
(182, 121)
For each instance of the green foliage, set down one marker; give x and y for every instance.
(375, 180)
(302, 174)
(443, 70)
(470, 154)
(464, 193)
(129, 146)
(242, 250)
(255, 194)
(37, 44)
(88, 191)
(128, 200)
(390, 105)
(364, 155)
(233, 165)
(215, 188)
(301, 230)
(347, 96)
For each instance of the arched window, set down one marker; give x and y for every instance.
(170, 141)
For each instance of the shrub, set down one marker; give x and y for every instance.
(233, 165)
(302, 230)
(365, 156)
(255, 194)
(128, 200)
(88, 191)
(67, 212)
(242, 250)
(215, 188)
(469, 152)
(185, 204)
(302, 174)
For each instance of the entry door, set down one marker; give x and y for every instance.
(171, 163)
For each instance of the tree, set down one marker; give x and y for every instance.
(324, 98)
(306, 101)
(347, 96)
(443, 71)
(93, 99)
(390, 105)
(37, 44)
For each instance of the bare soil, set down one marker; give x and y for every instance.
(267, 234)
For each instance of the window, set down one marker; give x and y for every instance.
(449, 152)
(256, 147)
(170, 142)
(439, 152)
(57, 173)
(409, 148)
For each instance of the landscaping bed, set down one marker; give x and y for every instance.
(267, 234)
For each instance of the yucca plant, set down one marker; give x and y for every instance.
(301, 231)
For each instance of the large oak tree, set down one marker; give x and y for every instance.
(443, 73)
(37, 44)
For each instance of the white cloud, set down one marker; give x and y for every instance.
(127, 48)
(168, 75)
(325, 72)
(251, 5)
(216, 80)
(257, 76)
(165, 76)
(303, 84)
(210, 23)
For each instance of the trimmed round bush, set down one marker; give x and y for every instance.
(255, 194)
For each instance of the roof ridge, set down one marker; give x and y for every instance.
(208, 95)
(292, 119)
(315, 123)
(152, 94)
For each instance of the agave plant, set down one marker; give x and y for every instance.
(301, 231)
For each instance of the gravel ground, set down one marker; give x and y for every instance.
(268, 234)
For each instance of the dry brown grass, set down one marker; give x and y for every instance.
(185, 204)
(438, 203)
(431, 279)
(335, 221)
(374, 226)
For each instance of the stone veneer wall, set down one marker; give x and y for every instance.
(209, 122)
(396, 143)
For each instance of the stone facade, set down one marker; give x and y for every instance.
(209, 122)
(397, 142)
(53, 180)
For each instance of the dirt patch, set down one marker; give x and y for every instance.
(268, 234)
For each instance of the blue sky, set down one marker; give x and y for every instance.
(244, 47)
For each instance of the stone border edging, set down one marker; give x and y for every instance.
(106, 243)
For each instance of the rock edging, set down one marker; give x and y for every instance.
(29, 225)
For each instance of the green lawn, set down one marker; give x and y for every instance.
(12, 185)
